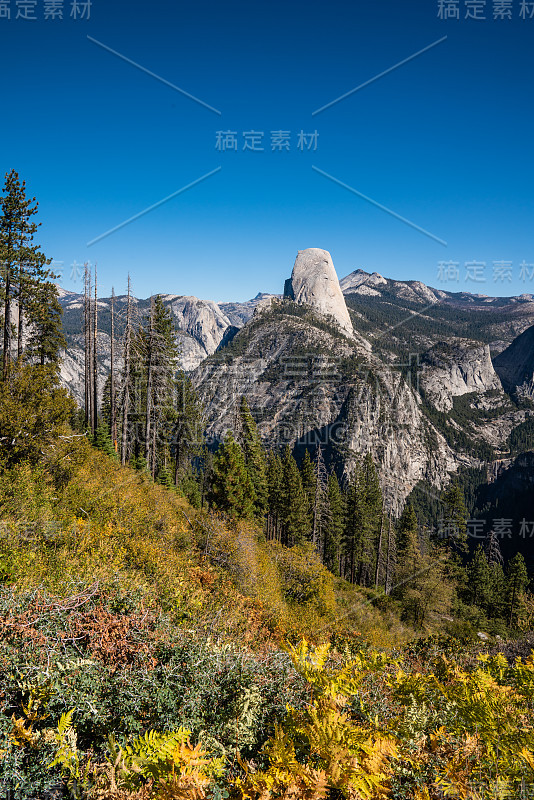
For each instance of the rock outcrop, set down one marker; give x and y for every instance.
(306, 385)
(454, 368)
(515, 365)
(203, 320)
(314, 283)
(361, 282)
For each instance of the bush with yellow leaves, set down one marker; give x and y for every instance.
(322, 748)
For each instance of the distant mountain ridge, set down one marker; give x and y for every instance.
(203, 325)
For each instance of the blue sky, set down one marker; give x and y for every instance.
(444, 141)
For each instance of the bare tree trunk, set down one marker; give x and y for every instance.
(87, 338)
(20, 327)
(149, 378)
(318, 505)
(20, 321)
(113, 410)
(126, 398)
(95, 361)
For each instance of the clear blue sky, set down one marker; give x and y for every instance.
(444, 140)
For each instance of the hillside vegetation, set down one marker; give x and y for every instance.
(151, 650)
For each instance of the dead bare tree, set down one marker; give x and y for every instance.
(88, 346)
(127, 369)
(95, 361)
(149, 378)
(112, 399)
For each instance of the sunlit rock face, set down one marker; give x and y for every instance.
(314, 283)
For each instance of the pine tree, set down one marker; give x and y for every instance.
(105, 403)
(190, 485)
(454, 521)
(275, 481)
(22, 264)
(33, 411)
(516, 582)
(373, 521)
(231, 489)
(420, 583)
(321, 509)
(46, 339)
(165, 478)
(354, 527)
(497, 595)
(295, 517)
(102, 440)
(188, 427)
(25, 279)
(408, 548)
(254, 458)
(153, 376)
(363, 523)
(479, 583)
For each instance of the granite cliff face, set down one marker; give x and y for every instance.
(454, 368)
(204, 324)
(515, 365)
(200, 328)
(314, 283)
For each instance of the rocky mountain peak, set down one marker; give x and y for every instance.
(314, 283)
(360, 278)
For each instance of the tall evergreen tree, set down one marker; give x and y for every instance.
(188, 427)
(408, 547)
(373, 521)
(254, 458)
(479, 584)
(295, 516)
(231, 489)
(275, 482)
(152, 369)
(22, 264)
(516, 582)
(25, 278)
(420, 581)
(46, 340)
(354, 528)
(454, 520)
(363, 523)
(321, 508)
